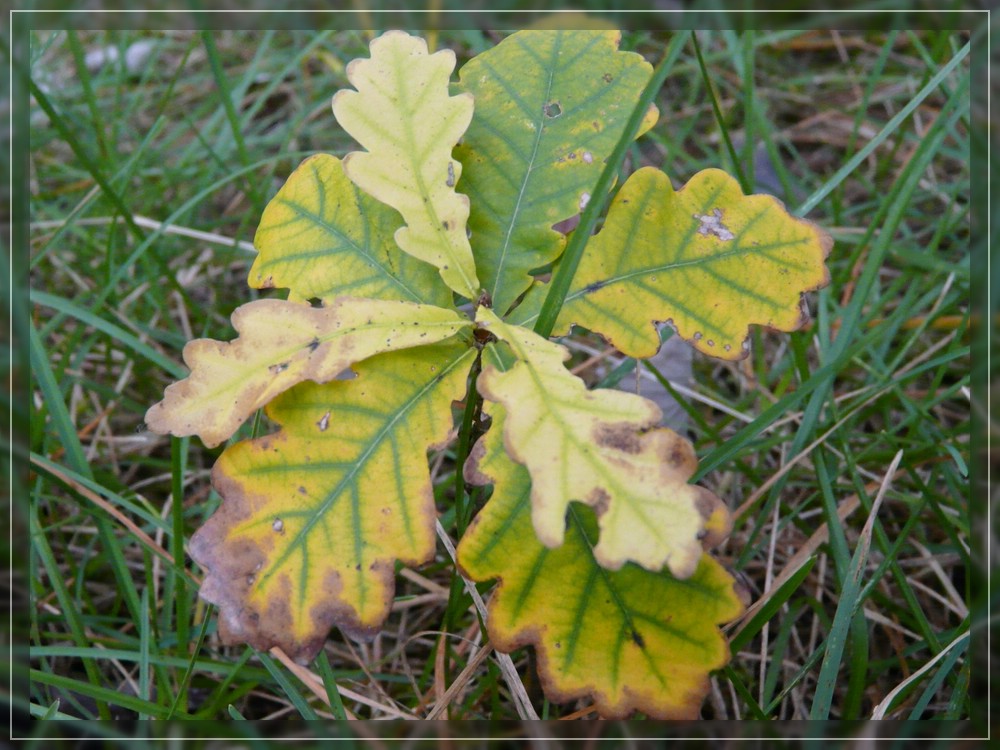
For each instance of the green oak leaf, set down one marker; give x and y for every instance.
(550, 107)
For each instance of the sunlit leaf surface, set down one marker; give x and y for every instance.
(550, 107)
(321, 237)
(602, 448)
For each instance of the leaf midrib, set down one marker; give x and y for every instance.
(451, 252)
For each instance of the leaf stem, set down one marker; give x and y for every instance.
(559, 287)
(473, 406)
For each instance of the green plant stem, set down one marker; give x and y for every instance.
(88, 163)
(86, 83)
(749, 114)
(473, 403)
(178, 460)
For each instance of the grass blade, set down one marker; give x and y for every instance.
(846, 609)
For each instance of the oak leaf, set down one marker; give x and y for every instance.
(550, 108)
(314, 516)
(706, 259)
(403, 115)
(282, 343)
(603, 448)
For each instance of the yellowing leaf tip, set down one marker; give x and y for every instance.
(404, 117)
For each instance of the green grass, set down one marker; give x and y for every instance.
(867, 134)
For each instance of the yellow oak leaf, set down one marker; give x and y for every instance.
(706, 259)
(321, 238)
(282, 343)
(314, 516)
(603, 448)
(403, 115)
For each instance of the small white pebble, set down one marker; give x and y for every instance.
(136, 55)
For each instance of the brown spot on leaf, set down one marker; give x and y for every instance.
(678, 454)
(620, 436)
(471, 472)
(677, 457)
(599, 500)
